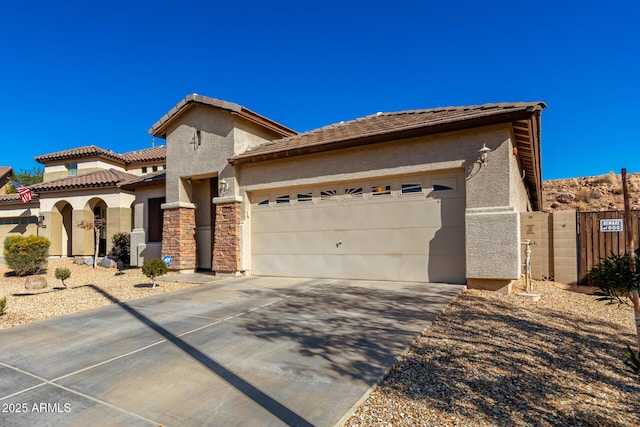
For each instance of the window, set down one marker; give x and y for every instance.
(154, 168)
(282, 199)
(353, 193)
(411, 188)
(265, 202)
(72, 169)
(304, 197)
(381, 190)
(438, 187)
(155, 219)
(328, 195)
(144, 169)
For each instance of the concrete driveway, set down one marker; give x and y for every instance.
(249, 351)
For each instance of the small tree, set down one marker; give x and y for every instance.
(63, 274)
(3, 305)
(26, 255)
(95, 225)
(154, 268)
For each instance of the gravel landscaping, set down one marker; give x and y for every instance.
(87, 288)
(489, 360)
(499, 360)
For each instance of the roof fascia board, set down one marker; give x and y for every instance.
(487, 120)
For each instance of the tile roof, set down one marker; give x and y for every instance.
(159, 128)
(144, 180)
(139, 156)
(15, 198)
(74, 153)
(153, 154)
(387, 126)
(103, 178)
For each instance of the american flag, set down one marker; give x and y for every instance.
(25, 194)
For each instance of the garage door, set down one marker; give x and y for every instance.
(403, 228)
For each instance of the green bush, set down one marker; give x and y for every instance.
(26, 255)
(63, 274)
(121, 242)
(3, 305)
(614, 279)
(154, 268)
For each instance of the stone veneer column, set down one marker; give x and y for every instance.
(179, 236)
(226, 249)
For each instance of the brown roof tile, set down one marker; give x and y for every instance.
(160, 127)
(103, 178)
(153, 154)
(387, 126)
(15, 198)
(74, 153)
(141, 181)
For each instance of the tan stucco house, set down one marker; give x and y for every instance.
(79, 184)
(392, 196)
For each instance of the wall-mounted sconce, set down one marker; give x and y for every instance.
(189, 181)
(196, 141)
(483, 155)
(223, 187)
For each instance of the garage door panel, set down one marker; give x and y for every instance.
(414, 237)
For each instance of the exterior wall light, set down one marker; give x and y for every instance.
(223, 187)
(483, 155)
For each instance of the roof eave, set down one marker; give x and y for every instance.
(386, 136)
(159, 129)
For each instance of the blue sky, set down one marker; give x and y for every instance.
(76, 73)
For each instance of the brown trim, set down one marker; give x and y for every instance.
(420, 130)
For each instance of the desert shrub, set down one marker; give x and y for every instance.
(26, 255)
(63, 274)
(3, 305)
(614, 279)
(154, 268)
(583, 195)
(121, 249)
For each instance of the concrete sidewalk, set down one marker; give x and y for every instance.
(248, 351)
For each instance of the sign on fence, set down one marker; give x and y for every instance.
(611, 225)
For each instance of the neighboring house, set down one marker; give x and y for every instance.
(5, 174)
(391, 196)
(15, 217)
(81, 184)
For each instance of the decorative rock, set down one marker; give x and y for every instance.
(565, 198)
(532, 297)
(108, 263)
(89, 261)
(79, 260)
(35, 282)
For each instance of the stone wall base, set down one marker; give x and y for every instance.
(226, 249)
(179, 238)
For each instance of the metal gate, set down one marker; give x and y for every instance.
(595, 245)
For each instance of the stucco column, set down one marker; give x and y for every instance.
(226, 248)
(179, 235)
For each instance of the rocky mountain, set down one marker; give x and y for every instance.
(590, 193)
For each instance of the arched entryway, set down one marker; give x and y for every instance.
(62, 233)
(99, 210)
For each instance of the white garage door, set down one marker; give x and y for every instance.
(403, 228)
